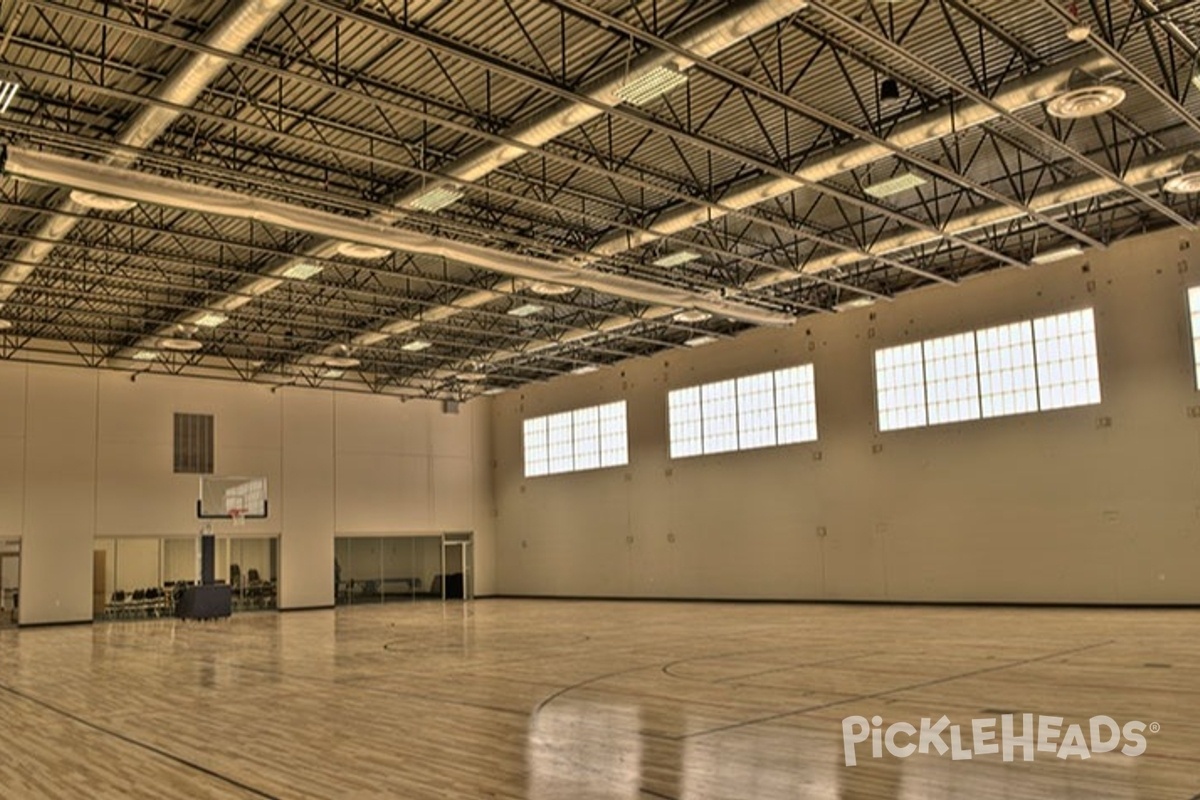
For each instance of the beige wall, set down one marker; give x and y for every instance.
(87, 454)
(1095, 505)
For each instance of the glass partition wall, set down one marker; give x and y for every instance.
(134, 577)
(387, 569)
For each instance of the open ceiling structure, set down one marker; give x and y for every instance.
(446, 198)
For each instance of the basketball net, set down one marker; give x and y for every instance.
(238, 516)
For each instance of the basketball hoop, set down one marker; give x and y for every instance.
(238, 516)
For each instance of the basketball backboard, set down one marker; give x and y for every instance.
(231, 497)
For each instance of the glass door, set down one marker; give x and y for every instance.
(457, 562)
(10, 580)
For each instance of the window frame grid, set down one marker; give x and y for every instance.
(554, 440)
(697, 401)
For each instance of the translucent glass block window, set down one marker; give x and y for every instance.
(900, 387)
(686, 427)
(1194, 308)
(614, 434)
(1067, 364)
(719, 401)
(796, 405)
(951, 379)
(562, 442)
(756, 411)
(573, 441)
(1007, 370)
(537, 448)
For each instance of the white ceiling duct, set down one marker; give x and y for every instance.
(236, 28)
(54, 169)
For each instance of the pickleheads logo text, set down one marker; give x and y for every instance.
(1009, 736)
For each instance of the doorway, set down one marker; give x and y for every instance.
(10, 581)
(457, 567)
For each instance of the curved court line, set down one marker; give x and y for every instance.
(910, 687)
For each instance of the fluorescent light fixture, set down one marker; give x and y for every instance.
(211, 319)
(692, 316)
(894, 186)
(472, 377)
(8, 91)
(856, 303)
(436, 199)
(331, 374)
(302, 271)
(677, 259)
(1059, 254)
(651, 84)
(371, 337)
(551, 289)
(416, 346)
(366, 252)
(5, 324)
(342, 362)
(586, 369)
(100, 202)
(147, 355)
(527, 310)
(700, 341)
(494, 391)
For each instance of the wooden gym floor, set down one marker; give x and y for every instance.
(572, 700)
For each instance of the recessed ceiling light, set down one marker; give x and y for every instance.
(1085, 101)
(700, 341)
(416, 346)
(8, 91)
(342, 362)
(692, 316)
(100, 202)
(586, 369)
(180, 344)
(302, 271)
(1058, 254)
(366, 252)
(527, 310)
(210, 319)
(894, 186)
(436, 199)
(676, 259)
(651, 84)
(551, 289)
(147, 355)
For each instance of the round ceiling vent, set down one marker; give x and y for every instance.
(100, 202)
(1086, 101)
(551, 289)
(366, 252)
(1184, 183)
(180, 345)
(692, 316)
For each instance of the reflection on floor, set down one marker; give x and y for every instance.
(565, 701)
